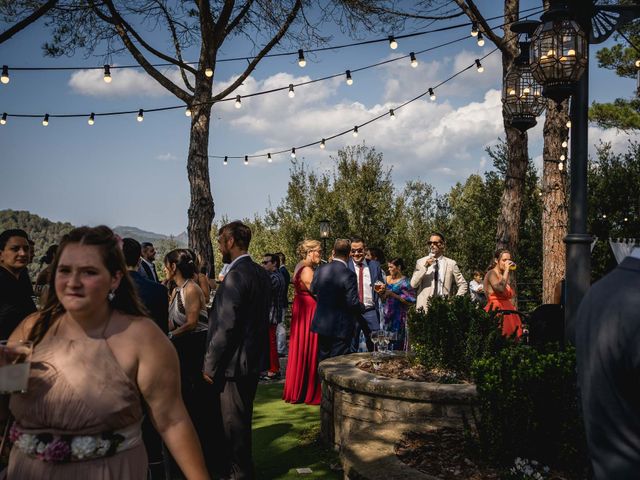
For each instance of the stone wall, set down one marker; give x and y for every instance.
(353, 399)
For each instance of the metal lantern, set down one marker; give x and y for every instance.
(559, 52)
(325, 228)
(521, 94)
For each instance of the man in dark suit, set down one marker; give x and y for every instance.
(147, 267)
(336, 290)
(608, 360)
(237, 348)
(368, 272)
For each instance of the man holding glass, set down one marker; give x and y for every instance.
(436, 274)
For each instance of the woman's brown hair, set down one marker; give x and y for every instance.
(125, 300)
(496, 257)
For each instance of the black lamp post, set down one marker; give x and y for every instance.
(325, 233)
(560, 62)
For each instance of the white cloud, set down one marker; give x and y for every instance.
(166, 157)
(125, 82)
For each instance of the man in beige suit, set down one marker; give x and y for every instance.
(435, 274)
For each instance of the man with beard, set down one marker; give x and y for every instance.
(237, 347)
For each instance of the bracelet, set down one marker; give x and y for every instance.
(170, 335)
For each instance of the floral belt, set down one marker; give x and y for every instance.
(53, 448)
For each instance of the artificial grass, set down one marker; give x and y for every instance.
(285, 437)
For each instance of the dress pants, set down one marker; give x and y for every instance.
(332, 347)
(367, 322)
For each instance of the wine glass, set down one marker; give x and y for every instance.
(384, 341)
(375, 338)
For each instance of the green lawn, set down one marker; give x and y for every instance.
(285, 437)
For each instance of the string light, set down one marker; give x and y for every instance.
(560, 166)
(563, 157)
(568, 123)
(604, 215)
(208, 72)
(292, 93)
(626, 219)
(269, 158)
(187, 112)
(3, 120)
(107, 74)
(225, 160)
(474, 29)
(322, 145)
(565, 144)
(301, 61)
(246, 160)
(637, 64)
(355, 131)
(5, 74)
(479, 66)
(45, 120)
(414, 61)
(238, 101)
(92, 119)
(392, 114)
(392, 42)
(432, 95)
(480, 39)
(140, 115)
(349, 79)
(293, 152)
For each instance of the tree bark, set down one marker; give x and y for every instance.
(554, 200)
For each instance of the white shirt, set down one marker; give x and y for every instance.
(151, 266)
(236, 259)
(367, 296)
(441, 267)
(635, 253)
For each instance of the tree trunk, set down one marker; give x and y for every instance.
(201, 208)
(554, 200)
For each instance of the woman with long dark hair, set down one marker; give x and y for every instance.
(96, 359)
(399, 296)
(499, 292)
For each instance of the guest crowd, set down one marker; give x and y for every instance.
(135, 378)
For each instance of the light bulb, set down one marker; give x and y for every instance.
(474, 29)
(571, 53)
(355, 131)
(107, 74)
(3, 120)
(301, 61)
(246, 160)
(551, 53)
(238, 101)
(568, 123)
(208, 72)
(626, 219)
(432, 95)
(392, 114)
(565, 144)
(292, 93)
(5, 74)
(349, 79)
(187, 112)
(293, 152)
(45, 120)
(224, 162)
(561, 166)
(563, 157)
(526, 91)
(414, 61)
(637, 63)
(140, 115)
(269, 158)
(512, 91)
(604, 215)
(322, 145)
(479, 66)
(392, 42)
(480, 39)
(92, 119)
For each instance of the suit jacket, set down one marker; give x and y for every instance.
(336, 291)
(376, 275)
(147, 271)
(155, 297)
(238, 338)
(422, 280)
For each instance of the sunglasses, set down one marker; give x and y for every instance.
(357, 250)
(437, 244)
(264, 262)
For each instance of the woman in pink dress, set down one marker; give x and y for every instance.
(499, 292)
(302, 383)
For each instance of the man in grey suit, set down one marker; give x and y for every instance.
(436, 274)
(608, 358)
(237, 348)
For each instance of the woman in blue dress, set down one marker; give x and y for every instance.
(399, 296)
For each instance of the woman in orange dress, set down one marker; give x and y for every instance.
(499, 292)
(302, 383)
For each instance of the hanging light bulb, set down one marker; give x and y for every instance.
(238, 101)
(92, 119)
(626, 219)
(301, 61)
(392, 114)
(349, 79)
(604, 215)
(246, 160)
(208, 72)
(480, 39)
(5, 74)
(3, 120)
(322, 145)
(565, 144)
(637, 64)
(474, 29)
(293, 152)
(563, 157)
(187, 112)
(45, 120)
(479, 66)
(432, 95)
(414, 61)
(292, 93)
(224, 162)
(568, 123)
(107, 74)
(269, 158)
(392, 42)
(355, 131)
(140, 115)
(561, 166)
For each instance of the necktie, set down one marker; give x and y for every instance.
(435, 278)
(361, 283)
(155, 273)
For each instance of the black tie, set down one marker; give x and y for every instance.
(435, 278)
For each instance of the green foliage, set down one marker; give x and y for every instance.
(452, 334)
(622, 114)
(529, 407)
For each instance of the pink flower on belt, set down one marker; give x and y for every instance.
(56, 451)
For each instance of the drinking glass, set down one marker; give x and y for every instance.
(384, 341)
(15, 362)
(375, 338)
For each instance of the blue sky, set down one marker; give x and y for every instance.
(122, 172)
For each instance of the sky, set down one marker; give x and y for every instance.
(123, 172)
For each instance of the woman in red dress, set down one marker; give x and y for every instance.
(499, 291)
(302, 383)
